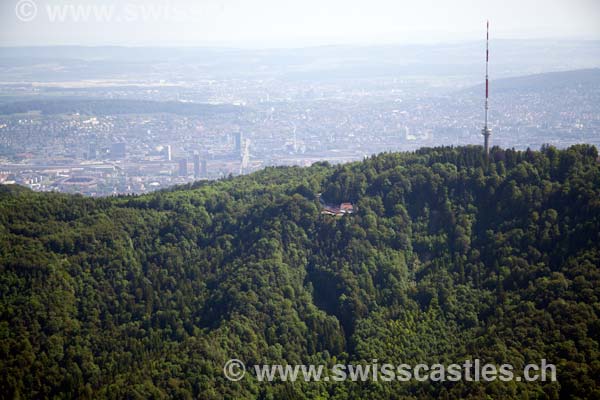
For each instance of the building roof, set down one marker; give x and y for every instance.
(346, 206)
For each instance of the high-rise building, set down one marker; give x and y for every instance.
(204, 169)
(183, 170)
(92, 152)
(118, 151)
(196, 166)
(167, 152)
(238, 142)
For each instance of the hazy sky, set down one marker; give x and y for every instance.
(281, 23)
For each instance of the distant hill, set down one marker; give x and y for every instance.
(113, 107)
(583, 78)
(510, 58)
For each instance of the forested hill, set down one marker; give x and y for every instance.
(577, 80)
(447, 258)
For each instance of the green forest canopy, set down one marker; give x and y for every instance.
(448, 258)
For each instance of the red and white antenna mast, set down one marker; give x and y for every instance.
(486, 131)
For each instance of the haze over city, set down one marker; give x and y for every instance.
(273, 23)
